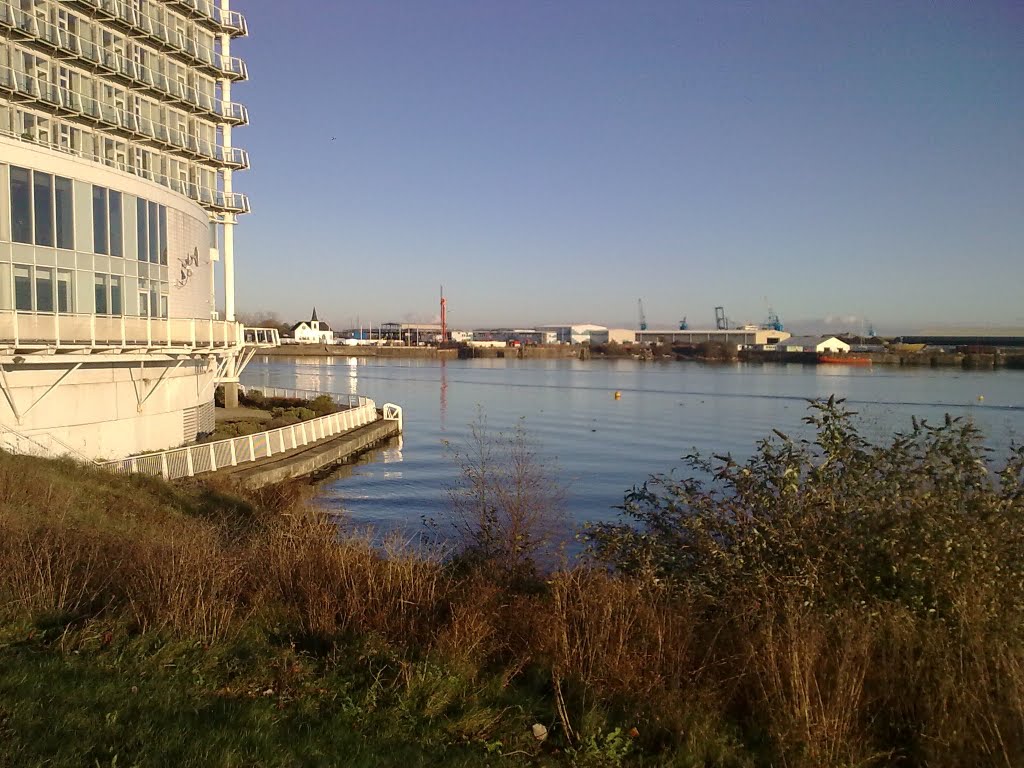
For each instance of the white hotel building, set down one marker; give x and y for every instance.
(116, 204)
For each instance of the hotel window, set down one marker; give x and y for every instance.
(42, 209)
(154, 234)
(107, 222)
(99, 219)
(115, 295)
(65, 208)
(21, 205)
(44, 289)
(151, 223)
(143, 298)
(102, 284)
(33, 288)
(108, 295)
(65, 291)
(163, 236)
(116, 223)
(22, 288)
(141, 229)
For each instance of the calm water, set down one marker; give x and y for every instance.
(604, 446)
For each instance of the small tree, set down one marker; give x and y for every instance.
(507, 506)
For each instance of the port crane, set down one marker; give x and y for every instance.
(721, 321)
(643, 317)
(774, 322)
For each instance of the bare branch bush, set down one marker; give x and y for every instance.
(507, 507)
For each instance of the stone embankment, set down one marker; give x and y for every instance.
(341, 350)
(922, 359)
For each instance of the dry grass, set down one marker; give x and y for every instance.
(762, 681)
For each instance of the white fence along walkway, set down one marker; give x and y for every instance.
(208, 457)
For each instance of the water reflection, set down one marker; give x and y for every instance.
(444, 392)
(602, 445)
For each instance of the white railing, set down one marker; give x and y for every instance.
(393, 412)
(389, 411)
(79, 331)
(261, 337)
(211, 198)
(48, 329)
(208, 457)
(305, 394)
(84, 101)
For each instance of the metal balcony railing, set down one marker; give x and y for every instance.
(50, 330)
(261, 337)
(233, 157)
(116, 117)
(62, 41)
(233, 202)
(210, 13)
(182, 42)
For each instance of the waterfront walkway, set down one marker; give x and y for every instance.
(292, 451)
(315, 458)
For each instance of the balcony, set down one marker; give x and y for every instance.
(168, 39)
(29, 331)
(62, 43)
(233, 157)
(233, 112)
(235, 22)
(114, 117)
(208, 13)
(232, 66)
(214, 200)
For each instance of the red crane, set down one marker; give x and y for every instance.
(444, 317)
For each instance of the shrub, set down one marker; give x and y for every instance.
(507, 506)
(323, 405)
(253, 397)
(873, 594)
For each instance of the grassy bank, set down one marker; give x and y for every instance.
(837, 604)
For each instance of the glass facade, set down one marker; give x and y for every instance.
(21, 205)
(142, 86)
(99, 220)
(42, 209)
(42, 213)
(151, 225)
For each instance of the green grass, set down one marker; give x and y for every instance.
(93, 699)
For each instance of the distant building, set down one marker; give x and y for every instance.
(740, 337)
(817, 344)
(571, 334)
(411, 334)
(613, 336)
(312, 331)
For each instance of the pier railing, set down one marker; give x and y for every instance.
(208, 457)
(389, 411)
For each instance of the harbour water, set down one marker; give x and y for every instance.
(602, 446)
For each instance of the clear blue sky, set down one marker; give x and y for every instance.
(556, 161)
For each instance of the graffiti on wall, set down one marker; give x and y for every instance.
(187, 267)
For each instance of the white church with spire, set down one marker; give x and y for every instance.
(312, 331)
